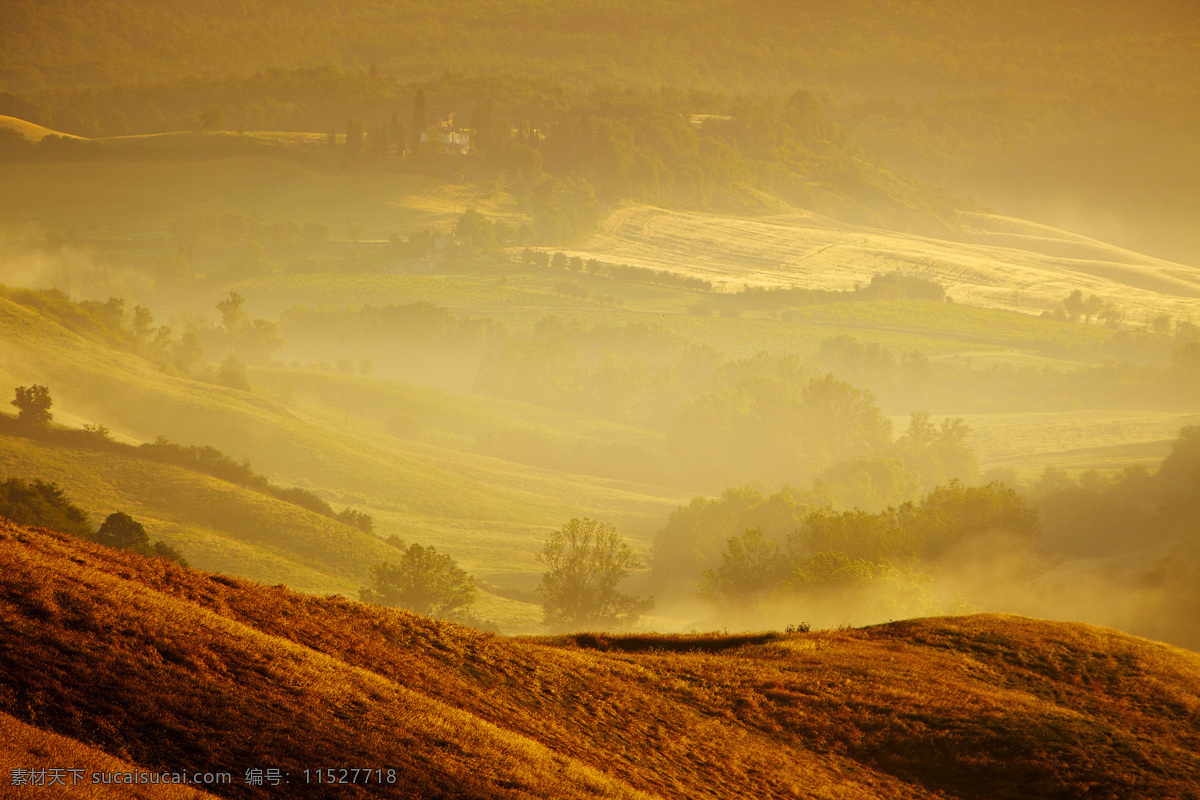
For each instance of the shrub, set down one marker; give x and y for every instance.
(122, 532)
(33, 405)
(44, 505)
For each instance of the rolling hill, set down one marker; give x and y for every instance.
(491, 515)
(123, 207)
(279, 162)
(1003, 263)
(30, 130)
(183, 670)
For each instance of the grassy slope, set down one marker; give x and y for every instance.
(971, 707)
(130, 396)
(1074, 437)
(1003, 263)
(217, 525)
(1006, 264)
(437, 417)
(30, 130)
(132, 198)
(491, 515)
(935, 329)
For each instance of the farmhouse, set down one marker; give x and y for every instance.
(440, 128)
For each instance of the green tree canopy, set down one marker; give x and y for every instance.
(425, 582)
(586, 560)
(770, 417)
(123, 532)
(750, 565)
(44, 505)
(478, 232)
(33, 405)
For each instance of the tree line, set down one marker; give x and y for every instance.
(747, 552)
(586, 561)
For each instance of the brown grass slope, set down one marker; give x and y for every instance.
(23, 746)
(170, 668)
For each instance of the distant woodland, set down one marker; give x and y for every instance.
(827, 104)
(707, 45)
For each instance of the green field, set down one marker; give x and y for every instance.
(1075, 440)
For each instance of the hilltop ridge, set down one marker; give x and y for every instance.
(982, 706)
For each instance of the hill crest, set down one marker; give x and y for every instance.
(31, 131)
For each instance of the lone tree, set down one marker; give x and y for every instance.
(425, 581)
(33, 405)
(585, 561)
(232, 311)
(122, 532)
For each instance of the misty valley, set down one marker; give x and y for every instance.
(456, 400)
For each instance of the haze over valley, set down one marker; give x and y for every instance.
(413, 373)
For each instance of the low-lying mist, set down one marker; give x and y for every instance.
(748, 561)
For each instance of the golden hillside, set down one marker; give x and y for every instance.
(177, 669)
(31, 130)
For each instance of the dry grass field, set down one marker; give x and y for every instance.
(177, 669)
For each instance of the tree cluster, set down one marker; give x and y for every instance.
(1075, 307)
(772, 417)
(828, 548)
(1155, 511)
(617, 272)
(33, 406)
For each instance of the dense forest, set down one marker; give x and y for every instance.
(707, 45)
